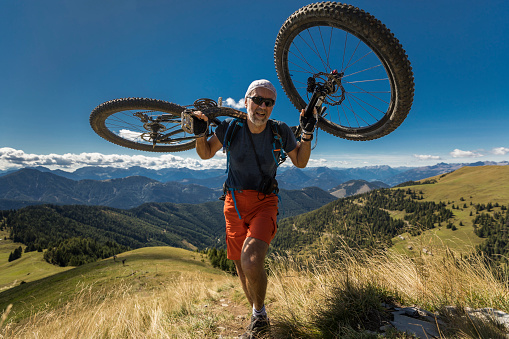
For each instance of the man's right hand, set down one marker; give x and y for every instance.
(200, 123)
(200, 115)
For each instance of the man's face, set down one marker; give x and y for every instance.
(259, 114)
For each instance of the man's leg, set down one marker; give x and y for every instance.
(252, 275)
(252, 271)
(243, 282)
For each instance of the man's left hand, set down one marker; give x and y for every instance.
(308, 124)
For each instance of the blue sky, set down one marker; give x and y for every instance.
(60, 59)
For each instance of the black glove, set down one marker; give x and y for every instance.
(199, 126)
(308, 124)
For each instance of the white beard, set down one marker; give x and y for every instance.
(257, 121)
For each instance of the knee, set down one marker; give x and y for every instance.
(253, 256)
(252, 264)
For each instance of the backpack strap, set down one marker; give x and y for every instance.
(231, 131)
(277, 144)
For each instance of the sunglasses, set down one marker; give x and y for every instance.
(259, 100)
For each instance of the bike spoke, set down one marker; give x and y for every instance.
(316, 50)
(375, 108)
(353, 54)
(356, 82)
(123, 123)
(327, 51)
(364, 70)
(372, 95)
(344, 51)
(302, 58)
(366, 110)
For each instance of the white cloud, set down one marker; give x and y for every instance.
(130, 135)
(426, 157)
(233, 104)
(500, 150)
(11, 158)
(320, 162)
(457, 153)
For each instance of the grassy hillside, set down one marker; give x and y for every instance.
(411, 219)
(463, 188)
(480, 184)
(164, 272)
(30, 267)
(163, 292)
(151, 224)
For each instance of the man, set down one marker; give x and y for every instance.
(250, 215)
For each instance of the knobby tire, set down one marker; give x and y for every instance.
(123, 108)
(365, 114)
(120, 115)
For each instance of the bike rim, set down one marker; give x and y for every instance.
(368, 83)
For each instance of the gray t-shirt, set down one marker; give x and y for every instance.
(243, 172)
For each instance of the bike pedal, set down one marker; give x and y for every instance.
(186, 121)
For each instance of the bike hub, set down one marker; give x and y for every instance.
(327, 85)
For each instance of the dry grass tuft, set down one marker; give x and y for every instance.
(346, 290)
(175, 311)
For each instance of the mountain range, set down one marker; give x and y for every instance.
(128, 188)
(288, 177)
(32, 187)
(354, 187)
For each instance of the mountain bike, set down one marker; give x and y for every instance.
(332, 56)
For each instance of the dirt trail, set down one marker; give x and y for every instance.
(234, 315)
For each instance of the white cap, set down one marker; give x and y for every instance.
(261, 83)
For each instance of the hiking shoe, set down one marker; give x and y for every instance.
(258, 328)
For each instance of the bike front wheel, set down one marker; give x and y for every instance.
(142, 124)
(376, 88)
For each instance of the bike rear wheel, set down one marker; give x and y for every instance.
(377, 86)
(127, 122)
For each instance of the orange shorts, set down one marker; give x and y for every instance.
(259, 219)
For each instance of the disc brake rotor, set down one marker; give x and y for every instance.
(204, 103)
